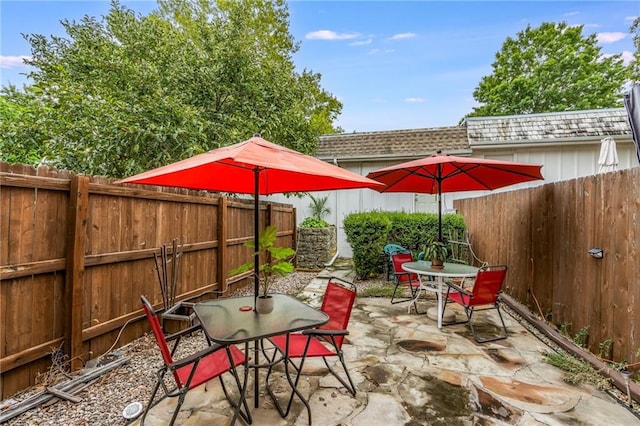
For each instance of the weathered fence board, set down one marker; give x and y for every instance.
(77, 252)
(547, 253)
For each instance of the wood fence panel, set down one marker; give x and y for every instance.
(570, 287)
(123, 227)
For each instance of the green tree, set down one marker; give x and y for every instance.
(550, 68)
(635, 64)
(130, 92)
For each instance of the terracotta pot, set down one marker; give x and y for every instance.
(437, 264)
(264, 304)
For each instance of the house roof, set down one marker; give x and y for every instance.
(548, 126)
(393, 144)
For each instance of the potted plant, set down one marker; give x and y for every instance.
(274, 263)
(436, 251)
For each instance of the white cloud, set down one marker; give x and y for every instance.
(330, 35)
(8, 62)
(415, 100)
(627, 57)
(630, 18)
(607, 38)
(361, 42)
(571, 13)
(403, 36)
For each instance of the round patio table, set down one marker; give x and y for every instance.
(451, 270)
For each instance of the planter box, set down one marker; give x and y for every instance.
(316, 246)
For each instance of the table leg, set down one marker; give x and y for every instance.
(256, 374)
(440, 281)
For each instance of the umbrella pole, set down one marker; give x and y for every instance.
(256, 276)
(439, 210)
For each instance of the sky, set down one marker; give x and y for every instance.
(393, 64)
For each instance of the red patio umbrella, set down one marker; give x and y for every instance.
(257, 167)
(442, 173)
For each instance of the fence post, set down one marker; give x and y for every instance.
(76, 235)
(222, 244)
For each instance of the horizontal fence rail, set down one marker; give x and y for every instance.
(76, 253)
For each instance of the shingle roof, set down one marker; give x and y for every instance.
(548, 126)
(394, 143)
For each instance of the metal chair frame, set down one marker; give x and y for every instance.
(484, 295)
(325, 341)
(193, 370)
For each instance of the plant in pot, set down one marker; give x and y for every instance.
(319, 209)
(436, 251)
(274, 263)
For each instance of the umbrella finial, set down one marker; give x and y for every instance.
(257, 135)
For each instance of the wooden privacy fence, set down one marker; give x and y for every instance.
(77, 252)
(543, 234)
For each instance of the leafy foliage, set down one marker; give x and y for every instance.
(313, 222)
(635, 64)
(319, 208)
(368, 233)
(129, 92)
(578, 371)
(550, 68)
(279, 265)
(435, 249)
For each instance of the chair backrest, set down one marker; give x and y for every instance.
(400, 274)
(390, 249)
(337, 302)
(488, 284)
(158, 334)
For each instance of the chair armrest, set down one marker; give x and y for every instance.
(320, 332)
(194, 357)
(458, 288)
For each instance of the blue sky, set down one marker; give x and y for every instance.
(393, 65)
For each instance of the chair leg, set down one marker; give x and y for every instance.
(489, 339)
(153, 395)
(292, 383)
(242, 389)
(349, 386)
(444, 309)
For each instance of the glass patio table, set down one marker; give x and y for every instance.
(451, 270)
(232, 320)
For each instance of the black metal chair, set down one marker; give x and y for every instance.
(484, 295)
(389, 250)
(193, 370)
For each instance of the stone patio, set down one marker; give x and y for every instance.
(408, 372)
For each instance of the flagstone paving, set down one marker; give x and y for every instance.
(408, 372)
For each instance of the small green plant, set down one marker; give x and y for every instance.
(384, 291)
(268, 270)
(313, 222)
(605, 348)
(319, 207)
(578, 371)
(435, 249)
(581, 337)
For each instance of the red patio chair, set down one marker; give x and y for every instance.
(484, 295)
(325, 341)
(193, 370)
(403, 279)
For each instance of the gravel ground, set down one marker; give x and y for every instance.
(105, 399)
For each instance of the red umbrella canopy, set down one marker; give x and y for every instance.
(233, 169)
(442, 173)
